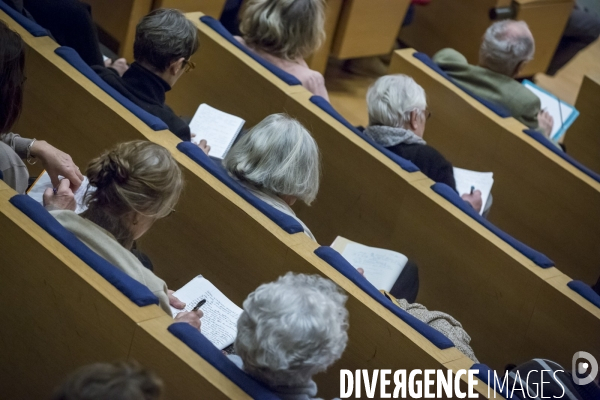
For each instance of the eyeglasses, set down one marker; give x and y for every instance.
(171, 212)
(188, 66)
(427, 114)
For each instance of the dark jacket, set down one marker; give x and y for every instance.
(147, 90)
(430, 161)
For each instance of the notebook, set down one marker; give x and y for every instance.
(564, 114)
(218, 128)
(43, 182)
(219, 323)
(382, 267)
(482, 181)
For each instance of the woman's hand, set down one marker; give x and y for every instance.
(174, 301)
(57, 163)
(473, 199)
(61, 198)
(203, 145)
(191, 317)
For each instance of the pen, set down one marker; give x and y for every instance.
(200, 304)
(472, 188)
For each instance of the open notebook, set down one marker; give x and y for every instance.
(564, 114)
(382, 267)
(218, 128)
(36, 191)
(482, 181)
(219, 323)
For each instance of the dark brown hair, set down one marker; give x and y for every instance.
(12, 77)
(116, 381)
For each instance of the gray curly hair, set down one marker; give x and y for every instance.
(504, 48)
(292, 329)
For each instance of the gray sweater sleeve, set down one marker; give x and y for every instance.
(17, 143)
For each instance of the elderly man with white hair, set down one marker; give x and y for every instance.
(397, 117)
(506, 47)
(290, 330)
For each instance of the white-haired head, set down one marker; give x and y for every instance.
(507, 45)
(292, 329)
(278, 155)
(287, 29)
(392, 99)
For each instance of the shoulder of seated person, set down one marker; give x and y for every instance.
(449, 55)
(312, 77)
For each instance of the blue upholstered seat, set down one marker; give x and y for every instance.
(539, 137)
(220, 29)
(27, 24)
(486, 375)
(286, 222)
(499, 110)
(585, 291)
(335, 259)
(205, 349)
(328, 108)
(73, 58)
(449, 194)
(132, 289)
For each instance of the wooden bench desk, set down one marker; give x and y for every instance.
(539, 198)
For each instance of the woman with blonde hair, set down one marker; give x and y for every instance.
(278, 161)
(136, 183)
(285, 32)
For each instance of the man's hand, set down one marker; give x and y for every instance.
(61, 198)
(57, 163)
(545, 122)
(202, 144)
(473, 199)
(119, 65)
(174, 301)
(191, 317)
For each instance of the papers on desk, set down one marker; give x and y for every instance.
(219, 323)
(482, 181)
(43, 182)
(218, 128)
(564, 114)
(382, 267)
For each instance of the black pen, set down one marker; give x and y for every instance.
(200, 304)
(472, 188)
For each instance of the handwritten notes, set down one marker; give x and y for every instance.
(43, 182)
(219, 323)
(382, 267)
(482, 181)
(218, 128)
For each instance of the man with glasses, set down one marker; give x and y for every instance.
(164, 42)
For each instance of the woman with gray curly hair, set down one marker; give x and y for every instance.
(278, 161)
(285, 32)
(290, 330)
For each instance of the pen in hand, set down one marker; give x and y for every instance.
(200, 304)
(472, 188)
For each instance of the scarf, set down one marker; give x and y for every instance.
(388, 136)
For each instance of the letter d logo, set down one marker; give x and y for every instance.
(590, 367)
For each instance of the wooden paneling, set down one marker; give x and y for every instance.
(214, 8)
(533, 190)
(318, 61)
(583, 137)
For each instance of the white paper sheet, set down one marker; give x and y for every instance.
(218, 128)
(482, 181)
(43, 182)
(219, 323)
(560, 111)
(382, 267)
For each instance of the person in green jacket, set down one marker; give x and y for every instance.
(506, 47)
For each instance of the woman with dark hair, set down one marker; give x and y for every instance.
(13, 148)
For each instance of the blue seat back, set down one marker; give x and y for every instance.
(220, 29)
(27, 24)
(73, 58)
(328, 108)
(286, 222)
(132, 289)
(335, 259)
(539, 137)
(585, 291)
(450, 194)
(486, 375)
(499, 110)
(205, 349)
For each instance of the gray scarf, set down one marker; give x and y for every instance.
(388, 136)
